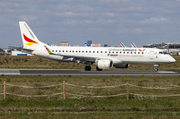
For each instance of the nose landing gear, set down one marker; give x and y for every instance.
(156, 67)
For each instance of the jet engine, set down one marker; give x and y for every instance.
(104, 64)
(122, 66)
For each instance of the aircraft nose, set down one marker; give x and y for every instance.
(171, 59)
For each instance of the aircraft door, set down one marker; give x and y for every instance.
(151, 54)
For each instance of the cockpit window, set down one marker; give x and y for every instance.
(163, 53)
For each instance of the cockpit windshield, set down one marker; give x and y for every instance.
(163, 52)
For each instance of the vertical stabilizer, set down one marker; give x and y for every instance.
(86, 45)
(28, 37)
(133, 45)
(122, 45)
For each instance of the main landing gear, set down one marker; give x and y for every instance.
(156, 67)
(87, 68)
(98, 69)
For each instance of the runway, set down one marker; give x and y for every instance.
(56, 72)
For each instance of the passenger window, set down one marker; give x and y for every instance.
(63, 50)
(112, 52)
(119, 52)
(73, 51)
(101, 51)
(82, 51)
(142, 52)
(116, 52)
(76, 51)
(70, 51)
(138, 52)
(109, 52)
(56, 50)
(86, 51)
(134, 52)
(59, 50)
(79, 51)
(93, 51)
(124, 52)
(52, 50)
(97, 51)
(66, 51)
(105, 51)
(127, 52)
(89, 51)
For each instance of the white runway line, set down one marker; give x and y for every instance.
(9, 72)
(167, 72)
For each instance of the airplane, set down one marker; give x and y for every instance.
(101, 57)
(122, 45)
(133, 45)
(86, 45)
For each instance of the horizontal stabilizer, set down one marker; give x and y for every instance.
(19, 48)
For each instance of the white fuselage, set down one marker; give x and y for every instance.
(116, 54)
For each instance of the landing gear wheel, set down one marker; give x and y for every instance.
(155, 69)
(87, 68)
(98, 69)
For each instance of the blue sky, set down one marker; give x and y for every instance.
(102, 21)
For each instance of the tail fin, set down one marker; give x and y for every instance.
(122, 45)
(85, 44)
(133, 45)
(28, 37)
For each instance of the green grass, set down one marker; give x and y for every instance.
(76, 103)
(105, 115)
(33, 62)
(113, 107)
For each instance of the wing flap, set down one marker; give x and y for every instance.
(82, 58)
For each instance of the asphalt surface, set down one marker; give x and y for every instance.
(54, 72)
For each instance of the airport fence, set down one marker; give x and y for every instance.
(92, 87)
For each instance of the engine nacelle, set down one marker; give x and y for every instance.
(104, 64)
(122, 66)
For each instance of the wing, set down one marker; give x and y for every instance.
(80, 58)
